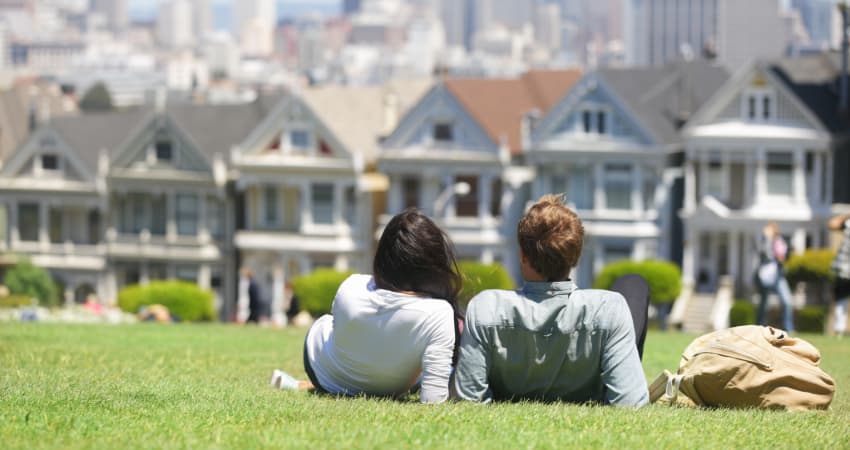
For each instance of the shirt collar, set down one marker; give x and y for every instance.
(548, 289)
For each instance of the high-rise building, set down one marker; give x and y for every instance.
(114, 12)
(174, 24)
(202, 18)
(660, 31)
(817, 17)
(254, 23)
(547, 25)
(350, 6)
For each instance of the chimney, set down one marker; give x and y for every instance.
(842, 105)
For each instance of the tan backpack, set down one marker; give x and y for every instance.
(747, 367)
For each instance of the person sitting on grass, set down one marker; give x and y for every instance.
(551, 341)
(392, 330)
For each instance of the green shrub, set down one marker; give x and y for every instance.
(664, 278)
(810, 266)
(16, 301)
(316, 290)
(743, 312)
(478, 277)
(810, 319)
(32, 281)
(183, 299)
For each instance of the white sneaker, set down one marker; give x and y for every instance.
(283, 380)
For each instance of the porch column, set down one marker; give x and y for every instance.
(449, 208)
(394, 202)
(337, 204)
(815, 182)
(277, 297)
(750, 162)
(485, 194)
(798, 241)
(637, 189)
(14, 231)
(306, 205)
(43, 234)
(599, 189)
(735, 256)
(799, 176)
(171, 216)
(690, 253)
(430, 191)
(761, 174)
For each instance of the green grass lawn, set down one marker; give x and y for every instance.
(205, 386)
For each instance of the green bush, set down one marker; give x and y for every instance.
(810, 319)
(743, 312)
(183, 299)
(32, 281)
(478, 277)
(316, 290)
(16, 301)
(664, 278)
(810, 266)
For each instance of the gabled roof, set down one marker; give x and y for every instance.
(499, 105)
(18, 103)
(358, 115)
(662, 98)
(814, 80)
(88, 134)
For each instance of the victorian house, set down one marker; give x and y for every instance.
(458, 155)
(612, 146)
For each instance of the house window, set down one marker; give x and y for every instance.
(54, 220)
(759, 105)
(650, 182)
(715, 178)
(323, 203)
(579, 192)
(443, 132)
(215, 211)
(765, 109)
(164, 150)
(558, 184)
(135, 213)
(586, 117)
(410, 188)
(49, 161)
(300, 140)
(271, 213)
(351, 205)
(751, 108)
(600, 122)
(186, 273)
(594, 120)
(618, 186)
(28, 221)
(467, 205)
(187, 214)
(94, 232)
(780, 166)
(496, 198)
(158, 215)
(616, 252)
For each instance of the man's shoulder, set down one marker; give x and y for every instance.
(489, 302)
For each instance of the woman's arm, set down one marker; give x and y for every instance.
(437, 359)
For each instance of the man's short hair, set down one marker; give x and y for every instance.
(551, 237)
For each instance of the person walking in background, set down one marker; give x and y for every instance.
(770, 275)
(392, 330)
(551, 340)
(841, 269)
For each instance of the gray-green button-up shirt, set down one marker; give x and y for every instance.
(550, 341)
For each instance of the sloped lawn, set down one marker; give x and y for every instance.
(205, 386)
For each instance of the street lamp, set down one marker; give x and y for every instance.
(459, 188)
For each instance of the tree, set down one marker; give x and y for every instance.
(33, 281)
(97, 99)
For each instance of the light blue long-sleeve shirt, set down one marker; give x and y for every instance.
(550, 341)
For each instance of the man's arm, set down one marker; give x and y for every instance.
(471, 380)
(837, 222)
(622, 373)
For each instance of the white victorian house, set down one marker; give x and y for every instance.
(612, 147)
(306, 186)
(55, 194)
(457, 155)
(759, 151)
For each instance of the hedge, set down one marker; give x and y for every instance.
(664, 278)
(810, 319)
(32, 281)
(316, 290)
(183, 299)
(478, 277)
(811, 266)
(743, 312)
(16, 301)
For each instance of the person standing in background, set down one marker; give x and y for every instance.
(841, 269)
(770, 275)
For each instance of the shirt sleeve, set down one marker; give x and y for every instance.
(437, 359)
(471, 381)
(622, 373)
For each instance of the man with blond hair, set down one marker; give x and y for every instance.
(550, 340)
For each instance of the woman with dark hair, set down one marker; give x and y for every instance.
(392, 329)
